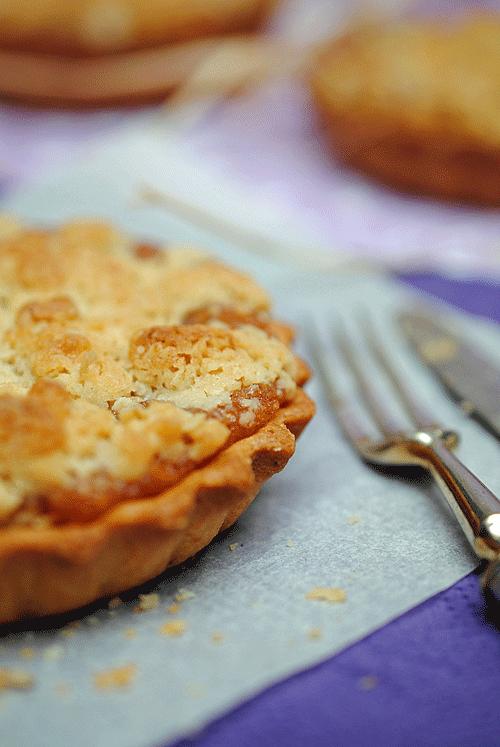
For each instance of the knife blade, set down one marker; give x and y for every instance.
(465, 371)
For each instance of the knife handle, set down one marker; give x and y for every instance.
(475, 506)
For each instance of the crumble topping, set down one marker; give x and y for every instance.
(123, 367)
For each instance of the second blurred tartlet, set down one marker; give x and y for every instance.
(417, 105)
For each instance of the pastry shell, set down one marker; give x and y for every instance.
(52, 570)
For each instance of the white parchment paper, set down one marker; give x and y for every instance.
(297, 535)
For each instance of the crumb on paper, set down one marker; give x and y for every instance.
(147, 602)
(174, 628)
(194, 690)
(53, 653)
(467, 406)
(114, 603)
(217, 637)
(353, 520)
(183, 595)
(233, 546)
(68, 632)
(174, 608)
(290, 543)
(15, 679)
(116, 678)
(129, 633)
(315, 633)
(368, 682)
(92, 620)
(62, 688)
(331, 594)
(27, 652)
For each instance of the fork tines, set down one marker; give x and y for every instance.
(381, 411)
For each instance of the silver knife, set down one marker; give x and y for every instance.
(466, 372)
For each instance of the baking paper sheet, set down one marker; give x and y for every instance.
(402, 547)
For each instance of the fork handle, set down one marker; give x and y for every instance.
(475, 506)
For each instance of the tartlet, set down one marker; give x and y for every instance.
(416, 104)
(145, 396)
(89, 27)
(100, 52)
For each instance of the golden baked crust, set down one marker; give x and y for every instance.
(60, 568)
(416, 104)
(144, 397)
(82, 27)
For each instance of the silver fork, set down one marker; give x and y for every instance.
(427, 444)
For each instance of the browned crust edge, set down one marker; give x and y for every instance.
(55, 570)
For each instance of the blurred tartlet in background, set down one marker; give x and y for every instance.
(104, 51)
(416, 104)
(89, 27)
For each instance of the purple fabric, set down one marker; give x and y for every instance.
(434, 677)
(431, 677)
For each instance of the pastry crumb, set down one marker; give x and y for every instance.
(174, 608)
(130, 633)
(368, 682)
(331, 594)
(194, 690)
(290, 543)
(68, 632)
(116, 678)
(315, 633)
(217, 637)
(147, 602)
(52, 653)
(174, 628)
(233, 546)
(353, 520)
(27, 652)
(92, 620)
(15, 679)
(183, 595)
(62, 688)
(114, 603)
(467, 406)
